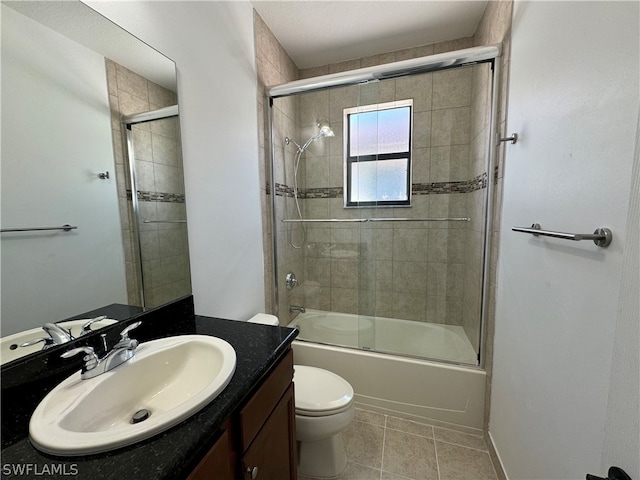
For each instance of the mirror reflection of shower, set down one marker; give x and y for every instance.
(323, 130)
(158, 217)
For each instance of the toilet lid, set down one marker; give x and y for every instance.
(320, 392)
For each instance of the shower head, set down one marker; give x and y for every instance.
(324, 130)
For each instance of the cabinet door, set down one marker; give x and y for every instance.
(217, 463)
(271, 456)
(264, 401)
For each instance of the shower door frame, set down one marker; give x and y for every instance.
(128, 122)
(433, 63)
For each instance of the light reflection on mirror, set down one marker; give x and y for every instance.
(68, 77)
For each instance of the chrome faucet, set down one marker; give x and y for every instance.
(57, 335)
(121, 352)
(296, 308)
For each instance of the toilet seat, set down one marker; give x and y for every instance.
(320, 393)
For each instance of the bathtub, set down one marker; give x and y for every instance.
(443, 394)
(389, 335)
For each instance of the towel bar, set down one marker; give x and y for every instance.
(601, 236)
(66, 228)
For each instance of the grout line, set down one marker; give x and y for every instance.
(459, 432)
(416, 434)
(384, 439)
(396, 475)
(435, 448)
(463, 446)
(411, 433)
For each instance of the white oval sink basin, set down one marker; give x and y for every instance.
(10, 348)
(171, 378)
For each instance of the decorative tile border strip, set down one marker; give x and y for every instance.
(465, 186)
(434, 188)
(158, 197)
(283, 190)
(331, 192)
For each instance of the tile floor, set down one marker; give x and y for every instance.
(380, 447)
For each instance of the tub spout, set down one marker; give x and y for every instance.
(296, 308)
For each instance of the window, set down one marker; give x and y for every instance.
(378, 154)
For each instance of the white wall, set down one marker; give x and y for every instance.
(212, 45)
(56, 137)
(574, 102)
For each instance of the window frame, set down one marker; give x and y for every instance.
(348, 160)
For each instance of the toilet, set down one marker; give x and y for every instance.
(324, 407)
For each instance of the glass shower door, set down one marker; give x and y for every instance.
(389, 245)
(159, 210)
(421, 264)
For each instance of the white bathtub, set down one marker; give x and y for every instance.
(422, 390)
(388, 335)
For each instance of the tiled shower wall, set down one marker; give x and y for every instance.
(407, 270)
(274, 66)
(345, 267)
(343, 282)
(160, 189)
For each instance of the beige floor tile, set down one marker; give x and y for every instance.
(459, 438)
(359, 472)
(461, 463)
(363, 443)
(408, 426)
(410, 456)
(368, 416)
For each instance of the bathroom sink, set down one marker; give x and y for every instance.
(10, 348)
(166, 381)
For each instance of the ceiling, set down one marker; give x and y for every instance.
(80, 23)
(319, 32)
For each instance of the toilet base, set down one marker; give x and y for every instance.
(323, 458)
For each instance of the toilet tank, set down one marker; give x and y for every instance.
(265, 319)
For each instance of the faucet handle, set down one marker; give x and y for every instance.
(86, 328)
(48, 342)
(90, 358)
(75, 351)
(124, 334)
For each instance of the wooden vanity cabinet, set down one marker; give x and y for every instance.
(258, 441)
(219, 463)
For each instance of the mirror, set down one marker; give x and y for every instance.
(69, 79)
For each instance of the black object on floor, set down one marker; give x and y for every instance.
(614, 473)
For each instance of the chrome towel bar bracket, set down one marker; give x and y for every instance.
(513, 139)
(601, 236)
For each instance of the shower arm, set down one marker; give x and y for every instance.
(302, 148)
(324, 130)
(309, 142)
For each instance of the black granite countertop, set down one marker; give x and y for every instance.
(170, 455)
